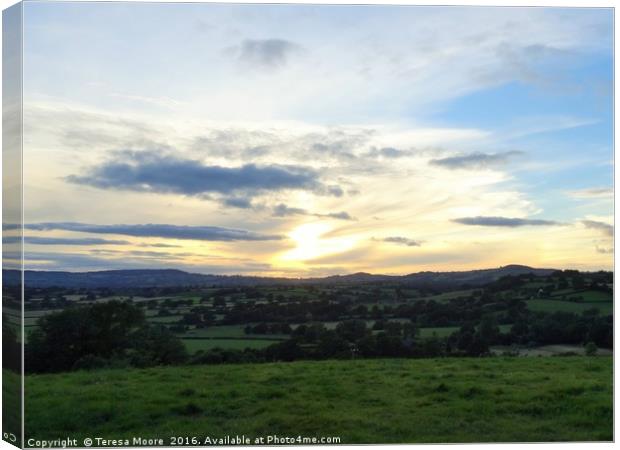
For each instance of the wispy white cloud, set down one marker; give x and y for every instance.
(592, 193)
(340, 122)
(165, 102)
(605, 228)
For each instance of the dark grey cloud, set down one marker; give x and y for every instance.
(342, 215)
(145, 253)
(475, 160)
(339, 144)
(339, 150)
(283, 210)
(62, 241)
(235, 143)
(149, 172)
(76, 262)
(81, 262)
(605, 228)
(335, 190)
(402, 241)
(202, 233)
(386, 152)
(267, 53)
(159, 245)
(238, 202)
(510, 222)
(77, 241)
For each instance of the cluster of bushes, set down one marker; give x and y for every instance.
(107, 334)
(117, 334)
(11, 348)
(561, 327)
(268, 328)
(350, 339)
(353, 339)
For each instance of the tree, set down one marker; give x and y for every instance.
(578, 282)
(393, 328)
(106, 331)
(590, 349)
(489, 330)
(332, 345)
(352, 330)
(388, 345)
(287, 350)
(410, 330)
(11, 349)
(155, 345)
(469, 341)
(219, 302)
(519, 332)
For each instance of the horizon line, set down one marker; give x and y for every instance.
(238, 275)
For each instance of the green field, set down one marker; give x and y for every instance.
(596, 296)
(437, 331)
(226, 331)
(447, 331)
(11, 402)
(550, 306)
(548, 350)
(363, 401)
(449, 295)
(165, 319)
(194, 345)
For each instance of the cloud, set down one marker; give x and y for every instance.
(36, 240)
(127, 260)
(203, 233)
(608, 230)
(386, 152)
(401, 241)
(342, 215)
(146, 253)
(77, 262)
(235, 143)
(165, 102)
(238, 202)
(159, 245)
(596, 192)
(334, 190)
(248, 144)
(283, 210)
(603, 250)
(338, 150)
(149, 172)
(510, 222)
(266, 53)
(475, 160)
(525, 63)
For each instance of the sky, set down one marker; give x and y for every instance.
(301, 140)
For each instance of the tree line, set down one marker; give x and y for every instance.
(117, 334)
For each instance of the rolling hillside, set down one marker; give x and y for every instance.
(171, 277)
(359, 401)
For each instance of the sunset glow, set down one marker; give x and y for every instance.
(317, 148)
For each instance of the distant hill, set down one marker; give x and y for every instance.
(172, 277)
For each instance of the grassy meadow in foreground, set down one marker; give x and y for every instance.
(360, 401)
